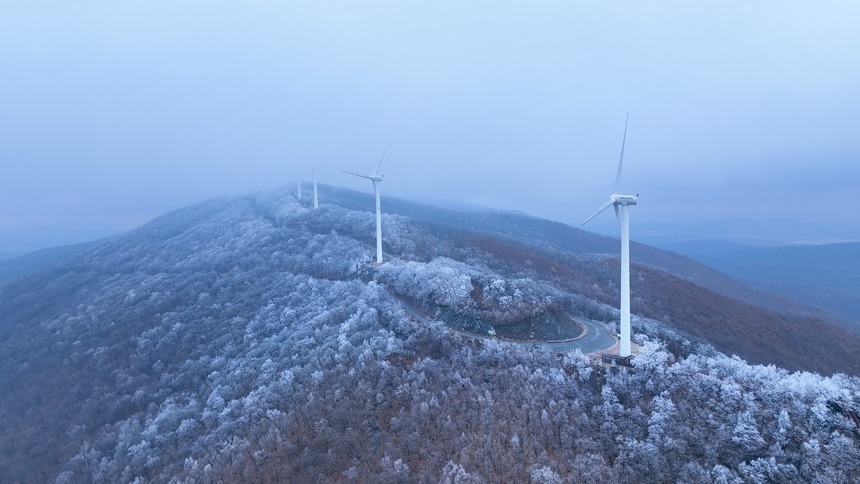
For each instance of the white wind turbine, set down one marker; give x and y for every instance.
(299, 190)
(316, 198)
(620, 202)
(376, 178)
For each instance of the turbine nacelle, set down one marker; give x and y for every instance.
(373, 178)
(624, 199)
(617, 200)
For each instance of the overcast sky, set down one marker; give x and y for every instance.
(112, 113)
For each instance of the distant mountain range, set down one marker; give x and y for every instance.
(9, 254)
(826, 276)
(761, 233)
(253, 339)
(23, 264)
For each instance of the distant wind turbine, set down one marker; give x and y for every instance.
(376, 178)
(299, 190)
(316, 198)
(620, 202)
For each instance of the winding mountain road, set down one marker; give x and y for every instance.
(597, 339)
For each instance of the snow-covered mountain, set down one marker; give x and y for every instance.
(251, 339)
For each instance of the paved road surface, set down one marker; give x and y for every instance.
(597, 338)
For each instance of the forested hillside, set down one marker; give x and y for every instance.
(540, 234)
(250, 340)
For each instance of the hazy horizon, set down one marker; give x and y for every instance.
(736, 230)
(117, 113)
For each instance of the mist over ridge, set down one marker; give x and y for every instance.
(736, 110)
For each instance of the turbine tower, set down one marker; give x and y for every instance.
(316, 198)
(376, 178)
(299, 190)
(621, 202)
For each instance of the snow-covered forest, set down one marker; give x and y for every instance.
(250, 340)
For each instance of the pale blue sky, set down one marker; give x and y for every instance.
(112, 113)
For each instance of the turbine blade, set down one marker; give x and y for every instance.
(356, 174)
(617, 215)
(599, 210)
(376, 171)
(621, 159)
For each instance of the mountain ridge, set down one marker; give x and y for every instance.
(549, 245)
(251, 338)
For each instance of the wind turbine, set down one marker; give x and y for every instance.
(299, 190)
(376, 178)
(620, 202)
(316, 198)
